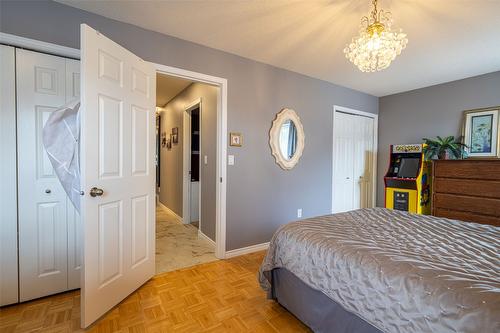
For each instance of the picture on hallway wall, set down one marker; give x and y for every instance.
(164, 139)
(175, 135)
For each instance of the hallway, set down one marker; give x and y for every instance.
(178, 245)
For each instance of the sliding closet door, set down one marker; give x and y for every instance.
(43, 265)
(73, 218)
(353, 150)
(8, 186)
(343, 163)
(363, 161)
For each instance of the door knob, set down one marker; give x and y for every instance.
(96, 192)
(48, 191)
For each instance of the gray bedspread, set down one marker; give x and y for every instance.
(399, 272)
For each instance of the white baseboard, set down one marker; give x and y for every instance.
(169, 210)
(202, 235)
(246, 250)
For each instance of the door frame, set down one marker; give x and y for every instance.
(186, 159)
(337, 109)
(221, 168)
(221, 159)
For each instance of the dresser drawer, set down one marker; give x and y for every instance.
(468, 169)
(479, 188)
(467, 216)
(465, 203)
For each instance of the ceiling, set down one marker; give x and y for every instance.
(167, 87)
(448, 39)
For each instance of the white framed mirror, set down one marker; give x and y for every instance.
(286, 138)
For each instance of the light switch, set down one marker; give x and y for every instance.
(230, 159)
(205, 159)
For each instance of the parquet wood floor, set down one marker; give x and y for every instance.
(221, 296)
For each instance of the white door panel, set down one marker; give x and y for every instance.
(42, 201)
(118, 103)
(343, 163)
(72, 217)
(353, 151)
(8, 186)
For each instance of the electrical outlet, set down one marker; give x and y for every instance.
(230, 160)
(299, 212)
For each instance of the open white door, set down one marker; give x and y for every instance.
(118, 131)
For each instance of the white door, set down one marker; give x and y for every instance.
(353, 153)
(8, 194)
(343, 161)
(363, 161)
(73, 220)
(42, 87)
(117, 154)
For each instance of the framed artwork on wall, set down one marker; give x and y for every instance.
(164, 139)
(480, 131)
(175, 135)
(235, 139)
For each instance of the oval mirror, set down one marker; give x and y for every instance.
(286, 139)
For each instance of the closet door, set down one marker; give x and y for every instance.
(43, 254)
(353, 150)
(363, 161)
(343, 162)
(73, 218)
(8, 186)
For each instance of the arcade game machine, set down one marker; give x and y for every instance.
(408, 180)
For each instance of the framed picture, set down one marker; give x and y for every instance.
(175, 138)
(235, 139)
(169, 144)
(480, 132)
(175, 130)
(164, 139)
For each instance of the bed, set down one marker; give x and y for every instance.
(377, 270)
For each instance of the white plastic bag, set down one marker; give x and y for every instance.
(61, 139)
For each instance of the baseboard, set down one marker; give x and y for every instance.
(202, 235)
(246, 250)
(169, 210)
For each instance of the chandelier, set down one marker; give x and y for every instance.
(376, 46)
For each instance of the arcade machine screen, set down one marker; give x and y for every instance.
(409, 167)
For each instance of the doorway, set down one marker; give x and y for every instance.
(118, 230)
(186, 172)
(354, 159)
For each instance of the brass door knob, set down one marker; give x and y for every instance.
(96, 192)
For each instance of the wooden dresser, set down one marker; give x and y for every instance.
(467, 190)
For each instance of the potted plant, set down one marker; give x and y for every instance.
(443, 147)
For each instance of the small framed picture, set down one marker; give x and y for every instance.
(175, 130)
(164, 139)
(175, 138)
(480, 132)
(169, 144)
(235, 139)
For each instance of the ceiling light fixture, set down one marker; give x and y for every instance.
(376, 46)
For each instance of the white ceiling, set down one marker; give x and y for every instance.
(448, 39)
(167, 87)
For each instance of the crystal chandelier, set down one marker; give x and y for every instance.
(376, 46)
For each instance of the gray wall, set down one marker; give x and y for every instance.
(260, 196)
(408, 117)
(172, 160)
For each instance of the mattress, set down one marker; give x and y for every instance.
(397, 271)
